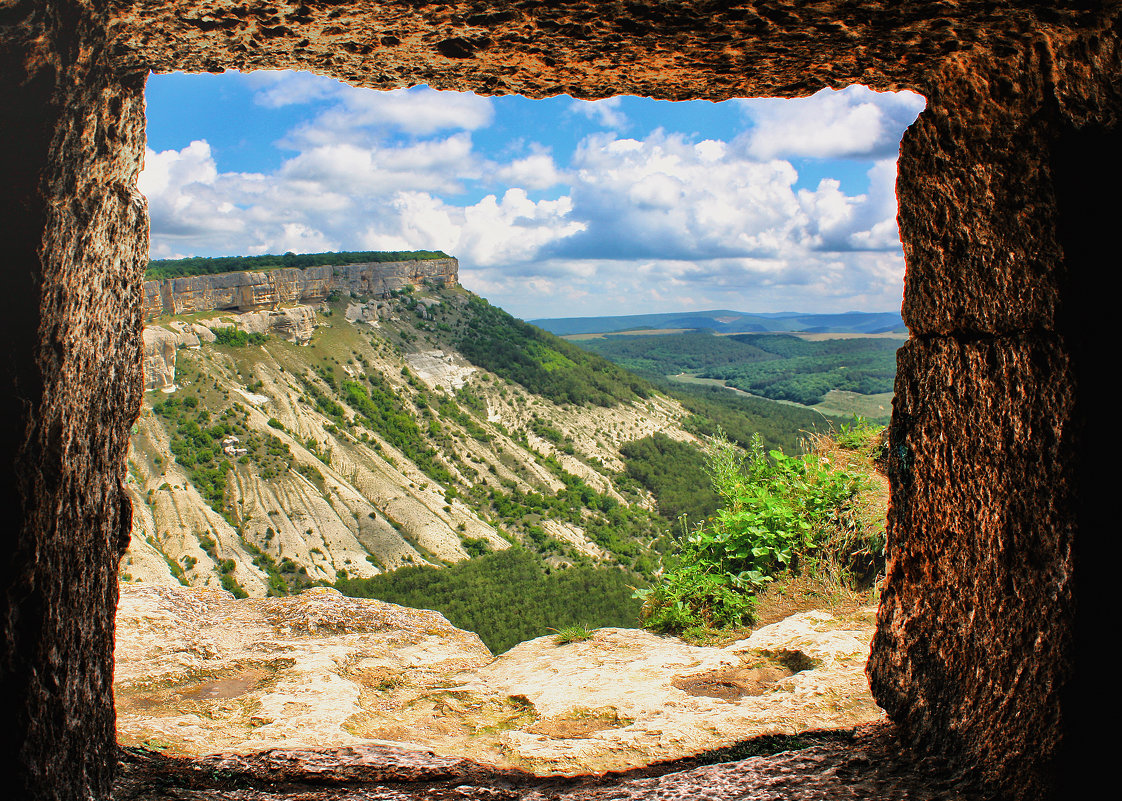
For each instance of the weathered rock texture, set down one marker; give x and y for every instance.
(869, 763)
(198, 672)
(256, 291)
(295, 324)
(159, 357)
(1002, 254)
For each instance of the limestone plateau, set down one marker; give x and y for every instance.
(312, 487)
(256, 291)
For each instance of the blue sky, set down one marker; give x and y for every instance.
(554, 207)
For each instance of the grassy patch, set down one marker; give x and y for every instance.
(568, 634)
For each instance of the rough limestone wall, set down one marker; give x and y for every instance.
(975, 648)
(974, 656)
(74, 235)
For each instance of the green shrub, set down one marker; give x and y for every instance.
(858, 435)
(776, 510)
(696, 595)
(230, 584)
(237, 338)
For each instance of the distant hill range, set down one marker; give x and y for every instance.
(724, 321)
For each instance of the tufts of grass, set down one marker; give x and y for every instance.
(714, 638)
(568, 634)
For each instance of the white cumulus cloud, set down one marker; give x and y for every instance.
(660, 221)
(359, 115)
(846, 123)
(606, 113)
(536, 171)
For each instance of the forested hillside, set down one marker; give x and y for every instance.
(805, 371)
(406, 445)
(781, 367)
(541, 362)
(667, 354)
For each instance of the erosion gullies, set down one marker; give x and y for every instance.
(291, 446)
(199, 672)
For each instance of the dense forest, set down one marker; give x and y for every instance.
(199, 265)
(806, 371)
(509, 596)
(776, 366)
(674, 472)
(668, 354)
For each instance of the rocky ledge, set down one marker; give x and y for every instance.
(868, 763)
(199, 673)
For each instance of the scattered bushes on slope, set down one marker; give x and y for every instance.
(381, 411)
(196, 442)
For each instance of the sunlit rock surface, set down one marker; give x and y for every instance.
(159, 358)
(256, 291)
(200, 673)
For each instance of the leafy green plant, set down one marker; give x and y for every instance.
(776, 510)
(696, 596)
(775, 507)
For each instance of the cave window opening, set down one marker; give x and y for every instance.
(554, 209)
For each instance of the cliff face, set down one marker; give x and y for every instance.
(255, 291)
(351, 501)
(159, 358)
(294, 324)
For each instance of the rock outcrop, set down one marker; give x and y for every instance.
(295, 323)
(869, 763)
(159, 358)
(201, 673)
(256, 291)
